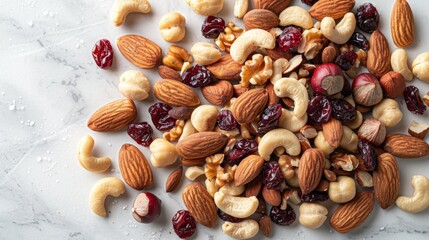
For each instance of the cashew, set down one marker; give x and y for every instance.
(89, 162)
(188, 130)
(279, 138)
(350, 139)
(288, 87)
(205, 7)
(249, 41)
(312, 215)
(421, 67)
(231, 189)
(420, 199)
(387, 112)
(289, 121)
(343, 190)
(239, 207)
(163, 153)
(194, 172)
(340, 33)
(101, 189)
(297, 16)
(172, 27)
(121, 8)
(241, 230)
(279, 66)
(240, 8)
(211, 186)
(134, 85)
(205, 53)
(321, 143)
(204, 117)
(399, 61)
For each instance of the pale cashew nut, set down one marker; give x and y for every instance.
(241, 230)
(341, 32)
(205, 53)
(321, 143)
(249, 41)
(350, 140)
(102, 188)
(121, 8)
(87, 160)
(289, 121)
(296, 16)
(188, 130)
(240, 8)
(134, 85)
(388, 112)
(279, 138)
(194, 172)
(399, 61)
(420, 199)
(172, 27)
(421, 67)
(312, 215)
(288, 87)
(204, 117)
(343, 190)
(205, 7)
(279, 66)
(232, 189)
(239, 207)
(211, 186)
(163, 153)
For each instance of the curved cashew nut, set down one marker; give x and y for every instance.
(340, 33)
(399, 61)
(89, 162)
(288, 87)
(121, 8)
(279, 138)
(241, 230)
(420, 199)
(172, 27)
(239, 207)
(421, 67)
(240, 8)
(297, 16)
(205, 7)
(163, 153)
(194, 172)
(232, 189)
(249, 41)
(289, 121)
(134, 85)
(312, 215)
(279, 66)
(102, 188)
(350, 139)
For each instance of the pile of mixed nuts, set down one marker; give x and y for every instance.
(292, 121)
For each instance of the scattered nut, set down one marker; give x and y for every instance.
(204, 117)
(232, 189)
(175, 57)
(393, 84)
(241, 230)
(102, 188)
(364, 179)
(420, 199)
(240, 8)
(347, 162)
(230, 34)
(205, 53)
(388, 112)
(296, 16)
(87, 160)
(121, 8)
(287, 87)
(312, 215)
(338, 33)
(399, 61)
(418, 129)
(349, 141)
(372, 131)
(289, 121)
(256, 71)
(134, 85)
(343, 190)
(249, 41)
(421, 67)
(239, 207)
(163, 153)
(321, 143)
(311, 43)
(276, 138)
(172, 27)
(357, 122)
(188, 130)
(205, 7)
(194, 172)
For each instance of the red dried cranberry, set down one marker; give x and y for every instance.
(309, 2)
(102, 52)
(270, 118)
(160, 117)
(226, 121)
(242, 148)
(222, 215)
(197, 76)
(413, 100)
(184, 224)
(289, 38)
(359, 40)
(343, 110)
(314, 196)
(141, 133)
(346, 60)
(319, 109)
(367, 17)
(282, 217)
(368, 154)
(271, 174)
(212, 27)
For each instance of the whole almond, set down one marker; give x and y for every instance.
(193, 162)
(219, 93)
(335, 9)
(135, 169)
(139, 50)
(265, 225)
(402, 24)
(113, 116)
(250, 105)
(168, 73)
(175, 93)
(377, 54)
(226, 68)
(393, 84)
(275, 6)
(404, 146)
(174, 179)
(271, 196)
(386, 180)
(200, 204)
(253, 188)
(333, 132)
(310, 169)
(248, 169)
(201, 145)
(260, 18)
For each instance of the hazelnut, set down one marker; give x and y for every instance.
(393, 84)
(418, 129)
(327, 79)
(367, 90)
(372, 131)
(146, 207)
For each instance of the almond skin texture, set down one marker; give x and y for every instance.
(250, 105)
(200, 204)
(265, 225)
(139, 50)
(272, 196)
(135, 169)
(404, 146)
(219, 93)
(253, 188)
(402, 24)
(310, 169)
(201, 145)
(260, 18)
(386, 180)
(168, 73)
(275, 6)
(393, 84)
(174, 179)
(226, 68)
(113, 116)
(352, 214)
(248, 169)
(333, 132)
(378, 54)
(335, 9)
(175, 93)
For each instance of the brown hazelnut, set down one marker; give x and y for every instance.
(372, 131)
(367, 90)
(393, 84)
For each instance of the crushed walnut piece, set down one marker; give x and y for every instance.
(311, 44)
(175, 133)
(344, 161)
(256, 71)
(230, 34)
(215, 172)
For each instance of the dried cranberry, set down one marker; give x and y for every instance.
(160, 117)
(197, 76)
(309, 2)
(346, 60)
(359, 40)
(212, 27)
(222, 215)
(226, 121)
(343, 110)
(314, 196)
(367, 17)
(241, 149)
(413, 100)
(270, 118)
(282, 217)
(141, 133)
(368, 154)
(102, 52)
(184, 224)
(289, 38)
(271, 174)
(319, 109)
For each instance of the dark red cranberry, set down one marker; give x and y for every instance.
(343, 110)
(367, 17)
(269, 118)
(309, 2)
(368, 154)
(242, 148)
(141, 133)
(413, 100)
(197, 76)
(319, 109)
(271, 174)
(222, 215)
(212, 27)
(347, 89)
(346, 60)
(102, 52)
(289, 38)
(160, 117)
(184, 224)
(314, 196)
(282, 217)
(359, 40)
(226, 121)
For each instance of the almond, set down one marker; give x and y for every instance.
(335, 9)
(272, 97)
(239, 89)
(168, 73)
(201, 145)
(265, 225)
(377, 54)
(113, 116)
(386, 180)
(310, 169)
(200, 204)
(275, 6)
(139, 50)
(333, 132)
(135, 169)
(393, 84)
(175, 93)
(193, 162)
(226, 68)
(271, 196)
(260, 18)
(174, 179)
(248, 169)
(403, 146)
(219, 93)
(253, 188)
(402, 24)
(250, 105)
(351, 214)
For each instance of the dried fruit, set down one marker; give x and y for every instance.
(272, 175)
(197, 76)
(269, 119)
(367, 17)
(226, 121)
(343, 110)
(368, 154)
(314, 196)
(160, 117)
(212, 27)
(141, 133)
(309, 2)
(222, 215)
(346, 60)
(146, 208)
(319, 109)
(282, 217)
(413, 100)
(359, 40)
(242, 148)
(102, 52)
(289, 38)
(184, 224)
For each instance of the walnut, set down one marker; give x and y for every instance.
(256, 71)
(176, 56)
(225, 175)
(287, 164)
(225, 39)
(347, 162)
(174, 134)
(215, 172)
(311, 44)
(212, 164)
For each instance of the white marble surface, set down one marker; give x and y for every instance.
(49, 85)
